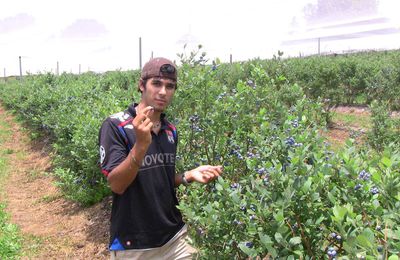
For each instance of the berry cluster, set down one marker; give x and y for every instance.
(364, 175)
(331, 252)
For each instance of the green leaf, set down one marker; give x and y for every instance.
(363, 241)
(265, 239)
(278, 237)
(218, 187)
(339, 212)
(393, 257)
(295, 241)
(279, 216)
(306, 186)
(248, 251)
(386, 161)
(331, 198)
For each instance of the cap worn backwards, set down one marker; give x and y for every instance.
(159, 67)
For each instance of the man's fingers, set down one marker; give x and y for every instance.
(148, 111)
(211, 173)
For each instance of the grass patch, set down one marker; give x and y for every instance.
(355, 120)
(10, 237)
(49, 198)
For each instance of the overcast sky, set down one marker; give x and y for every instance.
(103, 35)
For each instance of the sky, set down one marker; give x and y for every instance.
(104, 35)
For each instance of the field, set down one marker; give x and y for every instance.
(291, 188)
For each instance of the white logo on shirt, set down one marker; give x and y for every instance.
(102, 154)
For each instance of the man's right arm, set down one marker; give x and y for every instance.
(125, 173)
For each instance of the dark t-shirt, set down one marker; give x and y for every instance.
(145, 215)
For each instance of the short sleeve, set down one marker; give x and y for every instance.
(113, 149)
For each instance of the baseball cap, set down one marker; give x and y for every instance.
(159, 67)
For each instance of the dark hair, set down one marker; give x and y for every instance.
(142, 81)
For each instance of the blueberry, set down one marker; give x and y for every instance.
(333, 235)
(332, 252)
(380, 248)
(374, 190)
(237, 222)
(338, 238)
(261, 171)
(364, 175)
(248, 244)
(378, 228)
(290, 141)
(250, 155)
(200, 232)
(358, 186)
(251, 83)
(235, 186)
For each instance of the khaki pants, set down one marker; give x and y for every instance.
(176, 248)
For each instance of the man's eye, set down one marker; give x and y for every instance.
(156, 82)
(170, 86)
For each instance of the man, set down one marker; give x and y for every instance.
(138, 148)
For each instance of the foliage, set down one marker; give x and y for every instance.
(385, 128)
(284, 193)
(10, 240)
(69, 110)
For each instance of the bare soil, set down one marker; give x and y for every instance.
(339, 132)
(52, 227)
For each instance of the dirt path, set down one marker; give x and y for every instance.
(52, 227)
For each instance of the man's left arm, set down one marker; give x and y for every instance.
(201, 174)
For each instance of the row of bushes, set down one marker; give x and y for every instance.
(69, 110)
(356, 78)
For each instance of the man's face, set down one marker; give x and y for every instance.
(158, 93)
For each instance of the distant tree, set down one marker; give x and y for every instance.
(333, 10)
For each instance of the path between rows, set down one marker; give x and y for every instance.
(52, 227)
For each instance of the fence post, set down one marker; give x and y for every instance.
(140, 53)
(20, 68)
(319, 46)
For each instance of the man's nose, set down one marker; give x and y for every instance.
(163, 90)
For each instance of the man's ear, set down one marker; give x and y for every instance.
(141, 86)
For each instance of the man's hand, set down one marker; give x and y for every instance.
(204, 174)
(142, 126)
